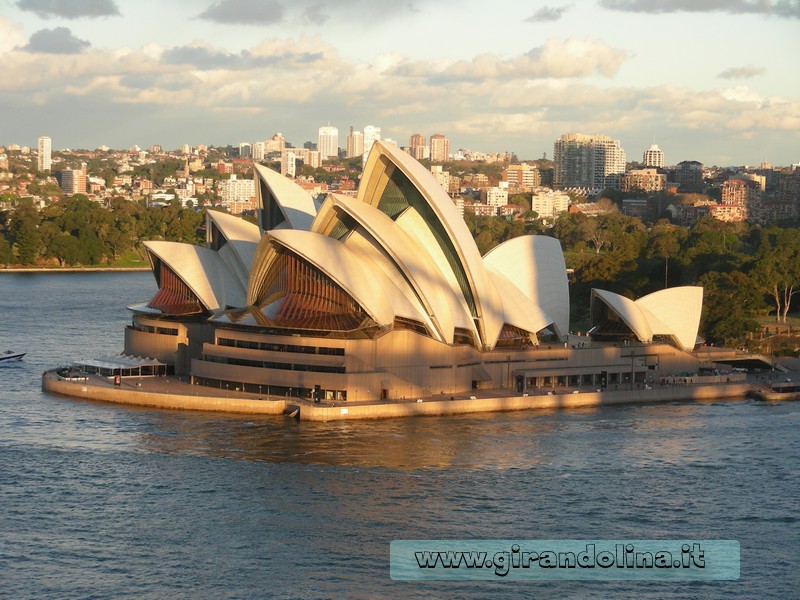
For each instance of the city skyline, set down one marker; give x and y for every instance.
(239, 70)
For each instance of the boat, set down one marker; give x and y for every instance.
(10, 356)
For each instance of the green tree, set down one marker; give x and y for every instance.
(730, 307)
(776, 270)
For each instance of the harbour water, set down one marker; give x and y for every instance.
(101, 500)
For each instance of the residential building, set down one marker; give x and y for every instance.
(45, 157)
(442, 177)
(73, 181)
(288, 163)
(588, 161)
(372, 134)
(439, 148)
(645, 180)
(496, 196)
(328, 142)
(689, 176)
(355, 143)
(548, 204)
(418, 146)
(653, 157)
(234, 192)
(522, 177)
(275, 144)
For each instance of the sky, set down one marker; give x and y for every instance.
(715, 81)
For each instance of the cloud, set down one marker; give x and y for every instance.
(315, 14)
(244, 12)
(554, 59)
(780, 8)
(742, 72)
(202, 57)
(10, 35)
(70, 9)
(55, 41)
(547, 14)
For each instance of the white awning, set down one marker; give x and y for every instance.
(120, 361)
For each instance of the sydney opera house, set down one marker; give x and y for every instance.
(386, 296)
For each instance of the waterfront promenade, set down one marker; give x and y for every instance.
(174, 393)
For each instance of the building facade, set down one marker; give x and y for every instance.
(355, 143)
(45, 157)
(440, 148)
(645, 180)
(587, 161)
(653, 157)
(328, 142)
(417, 143)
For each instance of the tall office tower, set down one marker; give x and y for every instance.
(654, 157)
(372, 134)
(45, 153)
(288, 163)
(440, 148)
(355, 143)
(418, 146)
(245, 150)
(328, 142)
(587, 161)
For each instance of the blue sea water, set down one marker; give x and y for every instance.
(99, 500)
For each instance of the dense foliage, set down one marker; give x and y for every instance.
(76, 231)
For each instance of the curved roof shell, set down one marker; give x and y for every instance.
(535, 265)
(418, 269)
(282, 204)
(377, 295)
(441, 217)
(673, 312)
(203, 271)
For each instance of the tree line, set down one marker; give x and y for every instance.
(78, 232)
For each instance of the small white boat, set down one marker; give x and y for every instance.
(10, 356)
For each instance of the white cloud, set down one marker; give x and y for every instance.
(10, 35)
(556, 58)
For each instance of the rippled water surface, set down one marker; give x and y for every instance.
(99, 500)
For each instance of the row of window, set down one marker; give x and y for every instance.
(251, 345)
(151, 329)
(262, 364)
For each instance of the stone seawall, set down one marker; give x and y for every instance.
(96, 388)
(174, 394)
(506, 403)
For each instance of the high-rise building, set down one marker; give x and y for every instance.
(245, 150)
(689, 176)
(653, 157)
(372, 134)
(275, 144)
(328, 142)
(45, 153)
(355, 143)
(587, 161)
(418, 146)
(288, 163)
(440, 148)
(258, 151)
(73, 181)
